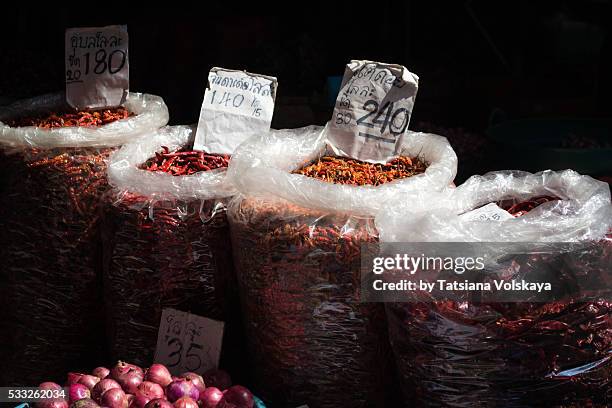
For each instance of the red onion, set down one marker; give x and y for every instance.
(237, 396)
(103, 386)
(151, 389)
(88, 380)
(52, 403)
(73, 378)
(130, 398)
(130, 381)
(84, 403)
(196, 379)
(217, 378)
(78, 392)
(122, 368)
(101, 372)
(159, 403)
(210, 397)
(139, 400)
(159, 374)
(182, 387)
(114, 398)
(185, 402)
(48, 385)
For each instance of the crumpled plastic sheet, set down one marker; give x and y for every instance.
(166, 245)
(472, 354)
(296, 243)
(50, 211)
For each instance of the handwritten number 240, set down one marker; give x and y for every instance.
(388, 121)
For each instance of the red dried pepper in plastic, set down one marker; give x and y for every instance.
(87, 118)
(166, 253)
(50, 211)
(185, 162)
(342, 170)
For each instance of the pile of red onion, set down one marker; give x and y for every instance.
(129, 386)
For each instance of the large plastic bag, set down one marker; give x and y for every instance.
(51, 264)
(466, 353)
(296, 244)
(166, 245)
(150, 113)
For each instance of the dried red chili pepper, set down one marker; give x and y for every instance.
(50, 213)
(342, 170)
(185, 162)
(87, 118)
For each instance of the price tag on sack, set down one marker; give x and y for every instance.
(237, 104)
(372, 111)
(187, 342)
(489, 212)
(97, 66)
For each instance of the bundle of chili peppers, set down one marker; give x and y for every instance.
(87, 118)
(50, 217)
(342, 170)
(185, 162)
(310, 339)
(165, 253)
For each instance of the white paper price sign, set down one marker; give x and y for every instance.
(97, 66)
(237, 104)
(186, 342)
(372, 110)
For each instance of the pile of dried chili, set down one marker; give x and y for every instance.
(185, 162)
(342, 170)
(51, 271)
(86, 118)
(163, 252)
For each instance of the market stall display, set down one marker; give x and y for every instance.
(296, 242)
(166, 239)
(54, 180)
(465, 352)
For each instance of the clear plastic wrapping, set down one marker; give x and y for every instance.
(166, 244)
(467, 353)
(50, 210)
(296, 251)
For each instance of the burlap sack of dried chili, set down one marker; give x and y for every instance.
(166, 240)
(49, 209)
(296, 239)
(466, 352)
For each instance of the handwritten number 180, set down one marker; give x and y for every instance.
(104, 61)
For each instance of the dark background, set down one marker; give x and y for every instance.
(479, 63)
